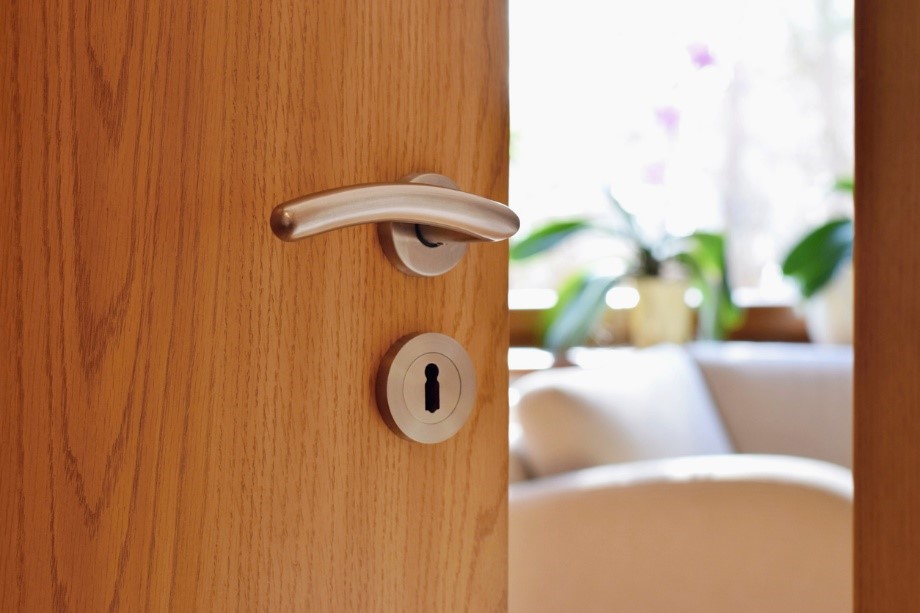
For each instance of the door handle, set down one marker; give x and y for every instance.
(424, 220)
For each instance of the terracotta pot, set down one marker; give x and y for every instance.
(662, 315)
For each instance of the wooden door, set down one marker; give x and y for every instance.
(887, 368)
(188, 418)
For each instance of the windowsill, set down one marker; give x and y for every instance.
(777, 323)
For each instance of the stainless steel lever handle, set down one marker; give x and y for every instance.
(424, 219)
(445, 215)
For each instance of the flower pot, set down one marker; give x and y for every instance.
(829, 313)
(662, 315)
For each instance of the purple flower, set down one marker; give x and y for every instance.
(654, 173)
(700, 55)
(669, 118)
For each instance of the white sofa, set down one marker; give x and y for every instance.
(712, 477)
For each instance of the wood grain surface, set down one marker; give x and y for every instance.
(187, 417)
(887, 369)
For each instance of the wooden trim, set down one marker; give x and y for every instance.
(887, 260)
(766, 323)
(771, 323)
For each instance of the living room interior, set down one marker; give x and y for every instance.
(681, 304)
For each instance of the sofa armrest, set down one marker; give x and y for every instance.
(783, 398)
(707, 533)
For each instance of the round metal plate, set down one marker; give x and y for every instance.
(401, 387)
(403, 246)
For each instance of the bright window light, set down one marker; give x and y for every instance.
(693, 297)
(529, 358)
(531, 299)
(720, 115)
(621, 298)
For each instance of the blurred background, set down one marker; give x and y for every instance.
(666, 151)
(681, 300)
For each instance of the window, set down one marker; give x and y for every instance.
(715, 114)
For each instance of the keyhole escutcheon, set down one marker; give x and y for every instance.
(432, 389)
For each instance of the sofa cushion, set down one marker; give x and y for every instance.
(712, 534)
(783, 398)
(644, 404)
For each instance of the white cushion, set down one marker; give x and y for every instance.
(644, 404)
(785, 398)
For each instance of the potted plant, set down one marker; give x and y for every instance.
(821, 265)
(661, 268)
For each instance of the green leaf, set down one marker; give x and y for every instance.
(705, 260)
(815, 259)
(566, 291)
(633, 231)
(844, 184)
(582, 299)
(708, 250)
(546, 237)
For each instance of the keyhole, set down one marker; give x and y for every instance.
(432, 389)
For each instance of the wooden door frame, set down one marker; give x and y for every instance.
(887, 341)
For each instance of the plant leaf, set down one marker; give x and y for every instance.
(582, 300)
(705, 260)
(708, 250)
(633, 231)
(566, 291)
(844, 184)
(546, 237)
(814, 260)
